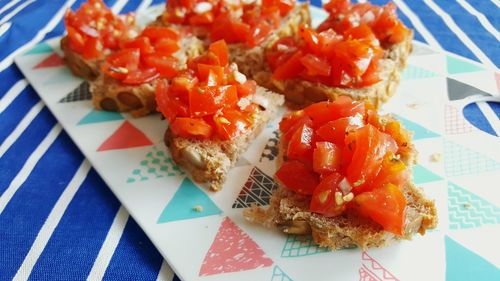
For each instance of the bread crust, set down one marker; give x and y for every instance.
(209, 161)
(86, 69)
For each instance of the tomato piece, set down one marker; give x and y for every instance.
(323, 198)
(155, 33)
(292, 126)
(301, 144)
(120, 63)
(310, 37)
(167, 66)
(169, 104)
(167, 46)
(337, 6)
(290, 119)
(289, 69)
(316, 66)
(231, 123)
(202, 19)
(393, 171)
(325, 111)
(208, 100)
(362, 32)
(141, 76)
(217, 71)
(92, 49)
(219, 48)
(385, 205)
(182, 84)
(258, 33)
(394, 128)
(76, 40)
(191, 128)
(247, 88)
(281, 51)
(335, 131)
(231, 30)
(326, 157)
(296, 176)
(371, 147)
(142, 43)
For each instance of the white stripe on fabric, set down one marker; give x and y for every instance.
(28, 166)
(12, 94)
(496, 2)
(143, 6)
(39, 36)
(490, 116)
(461, 35)
(4, 27)
(9, 5)
(482, 19)
(110, 243)
(52, 221)
(16, 11)
(166, 273)
(415, 20)
(25, 122)
(118, 6)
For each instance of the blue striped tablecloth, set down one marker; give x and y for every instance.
(62, 222)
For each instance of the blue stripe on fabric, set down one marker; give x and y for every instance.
(135, 257)
(77, 239)
(15, 112)
(156, 2)
(473, 113)
(27, 24)
(488, 9)
(14, 158)
(440, 31)
(28, 209)
(9, 77)
(474, 29)
(131, 6)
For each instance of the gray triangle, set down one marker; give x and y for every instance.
(82, 92)
(458, 90)
(420, 50)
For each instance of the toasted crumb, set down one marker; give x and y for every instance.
(198, 208)
(467, 205)
(436, 157)
(413, 105)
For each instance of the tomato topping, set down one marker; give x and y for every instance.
(93, 28)
(141, 76)
(208, 91)
(346, 156)
(385, 205)
(298, 177)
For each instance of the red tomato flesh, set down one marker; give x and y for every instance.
(298, 177)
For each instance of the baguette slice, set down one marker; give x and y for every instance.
(112, 95)
(209, 161)
(86, 69)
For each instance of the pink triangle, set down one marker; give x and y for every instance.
(233, 250)
(126, 136)
(497, 78)
(366, 275)
(50, 61)
(369, 264)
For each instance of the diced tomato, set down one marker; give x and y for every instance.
(141, 76)
(208, 100)
(337, 6)
(182, 84)
(362, 32)
(209, 58)
(326, 157)
(281, 51)
(247, 88)
(325, 111)
(202, 19)
(300, 122)
(393, 171)
(335, 131)
(316, 66)
(323, 197)
(394, 128)
(230, 123)
(310, 37)
(384, 205)
(122, 62)
(92, 49)
(219, 48)
(167, 66)
(289, 69)
(142, 43)
(76, 40)
(166, 46)
(258, 33)
(300, 146)
(371, 147)
(218, 71)
(168, 103)
(298, 177)
(290, 119)
(229, 29)
(191, 128)
(155, 33)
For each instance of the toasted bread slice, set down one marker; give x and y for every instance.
(112, 95)
(86, 69)
(209, 161)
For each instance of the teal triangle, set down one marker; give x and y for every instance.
(423, 175)
(280, 275)
(455, 65)
(462, 264)
(460, 160)
(467, 210)
(183, 204)
(419, 132)
(414, 72)
(98, 116)
(41, 48)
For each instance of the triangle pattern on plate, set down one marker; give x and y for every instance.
(462, 264)
(233, 250)
(41, 48)
(189, 202)
(270, 151)
(415, 72)
(454, 122)
(54, 60)
(80, 93)
(419, 50)
(126, 136)
(372, 270)
(419, 131)
(99, 116)
(424, 175)
(455, 65)
(156, 164)
(459, 160)
(257, 190)
(458, 90)
(280, 275)
(467, 210)
(298, 246)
